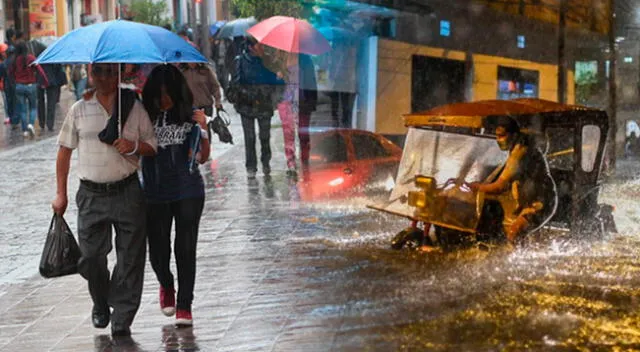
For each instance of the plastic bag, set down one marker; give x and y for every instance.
(219, 127)
(61, 252)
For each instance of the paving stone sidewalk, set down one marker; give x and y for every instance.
(265, 281)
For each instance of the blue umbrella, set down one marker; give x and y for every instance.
(236, 28)
(120, 41)
(214, 28)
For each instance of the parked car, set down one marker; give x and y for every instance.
(345, 162)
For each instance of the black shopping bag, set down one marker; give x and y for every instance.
(61, 252)
(219, 126)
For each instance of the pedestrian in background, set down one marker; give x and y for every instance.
(50, 81)
(25, 77)
(78, 78)
(174, 191)
(109, 196)
(254, 92)
(298, 102)
(185, 35)
(342, 80)
(218, 55)
(3, 80)
(8, 83)
(204, 86)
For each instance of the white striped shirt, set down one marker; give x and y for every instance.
(97, 161)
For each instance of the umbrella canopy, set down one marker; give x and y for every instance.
(290, 34)
(214, 28)
(120, 41)
(236, 28)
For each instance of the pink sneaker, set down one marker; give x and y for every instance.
(183, 317)
(167, 301)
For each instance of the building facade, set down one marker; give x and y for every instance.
(424, 54)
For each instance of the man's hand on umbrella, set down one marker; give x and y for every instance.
(124, 146)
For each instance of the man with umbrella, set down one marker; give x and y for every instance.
(111, 130)
(109, 195)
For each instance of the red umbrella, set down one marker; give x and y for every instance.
(290, 34)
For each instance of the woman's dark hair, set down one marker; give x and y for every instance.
(176, 87)
(21, 52)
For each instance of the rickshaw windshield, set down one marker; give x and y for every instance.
(443, 156)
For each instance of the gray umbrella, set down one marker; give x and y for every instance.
(236, 28)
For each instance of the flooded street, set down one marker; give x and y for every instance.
(561, 296)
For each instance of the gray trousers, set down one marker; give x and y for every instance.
(98, 212)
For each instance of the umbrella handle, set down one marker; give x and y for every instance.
(119, 102)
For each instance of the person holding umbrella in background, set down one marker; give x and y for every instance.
(299, 40)
(254, 93)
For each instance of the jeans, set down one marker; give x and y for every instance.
(249, 129)
(26, 104)
(79, 87)
(187, 213)
(10, 106)
(47, 100)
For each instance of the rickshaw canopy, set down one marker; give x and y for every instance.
(475, 114)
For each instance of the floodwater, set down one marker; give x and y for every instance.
(562, 295)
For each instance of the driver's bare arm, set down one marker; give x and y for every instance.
(503, 182)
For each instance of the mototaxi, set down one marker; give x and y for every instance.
(452, 145)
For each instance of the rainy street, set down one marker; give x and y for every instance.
(278, 273)
(337, 175)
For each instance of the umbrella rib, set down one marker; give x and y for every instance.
(295, 36)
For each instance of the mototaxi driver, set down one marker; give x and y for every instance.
(526, 175)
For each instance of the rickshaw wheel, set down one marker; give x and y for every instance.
(411, 236)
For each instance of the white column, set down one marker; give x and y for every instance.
(111, 7)
(213, 10)
(95, 7)
(367, 77)
(77, 10)
(2, 22)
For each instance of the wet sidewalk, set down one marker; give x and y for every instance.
(256, 289)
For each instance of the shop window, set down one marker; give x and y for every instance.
(445, 28)
(516, 83)
(590, 141)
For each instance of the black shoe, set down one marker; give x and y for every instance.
(266, 170)
(100, 317)
(121, 332)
